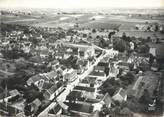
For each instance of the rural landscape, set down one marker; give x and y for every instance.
(104, 62)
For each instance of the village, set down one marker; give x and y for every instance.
(83, 72)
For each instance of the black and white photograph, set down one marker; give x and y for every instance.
(81, 58)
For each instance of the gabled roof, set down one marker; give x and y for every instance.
(14, 92)
(37, 102)
(47, 85)
(102, 64)
(35, 78)
(159, 49)
(51, 74)
(121, 92)
(89, 89)
(89, 80)
(95, 73)
(46, 94)
(52, 89)
(107, 99)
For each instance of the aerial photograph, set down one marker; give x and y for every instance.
(81, 58)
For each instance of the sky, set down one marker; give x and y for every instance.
(71, 4)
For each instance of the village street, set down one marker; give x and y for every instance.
(61, 98)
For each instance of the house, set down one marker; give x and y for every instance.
(7, 110)
(99, 74)
(83, 63)
(51, 75)
(101, 66)
(56, 110)
(83, 110)
(88, 82)
(83, 50)
(37, 79)
(71, 75)
(88, 89)
(54, 64)
(106, 100)
(35, 105)
(53, 91)
(157, 51)
(120, 95)
(87, 92)
(49, 92)
(124, 66)
(14, 92)
(86, 52)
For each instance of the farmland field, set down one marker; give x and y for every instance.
(85, 20)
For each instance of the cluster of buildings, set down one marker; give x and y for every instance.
(78, 70)
(66, 58)
(150, 27)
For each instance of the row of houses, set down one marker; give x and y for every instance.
(85, 99)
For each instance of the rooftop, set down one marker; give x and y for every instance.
(97, 73)
(80, 107)
(89, 89)
(159, 49)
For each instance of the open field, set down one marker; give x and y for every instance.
(125, 23)
(86, 20)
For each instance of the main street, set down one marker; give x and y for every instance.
(69, 88)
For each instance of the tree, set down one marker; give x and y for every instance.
(103, 43)
(145, 98)
(94, 30)
(128, 78)
(110, 34)
(109, 86)
(120, 45)
(144, 49)
(151, 59)
(124, 36)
